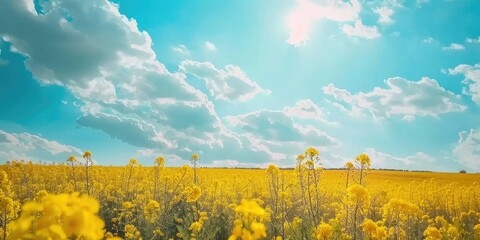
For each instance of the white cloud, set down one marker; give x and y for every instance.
(130, 130)
(422, 2)
(230, 163)
(428, 40)
(385, 15)
(26, 146)
(121, 88)
(467, 149)
(277, 126)
(405, 98)
(454, 47)
(385, 160)
(472, 79)
(210, 46)
(149, 152)
(277, 134)
(307, 109)
(473, 40)
(303, 18)
(123, 91)
(229, 84)
(353, 112)
(360, 30)
(182, 49)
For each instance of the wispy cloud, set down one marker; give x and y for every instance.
(229, 84)
(454, 47)
(210, 46)
(428, 40)
(182, 49)
(473, 40)
(362, 31)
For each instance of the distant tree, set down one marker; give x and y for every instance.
(463, 171)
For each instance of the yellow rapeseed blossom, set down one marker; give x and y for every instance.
(250, 208)
(311, 152)
(363, 159)
(324, 232)
(349, 165)
(194, 194)
(72, 159)
(357, 194)
(131, 232)
(432, 233)
(58, 217)
(87, 154)
(272, 169)
(476, 229)
(159, 162)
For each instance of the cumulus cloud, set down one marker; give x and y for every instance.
(124, 91)
(303, 18)
(361, 31)
(454, 47)
(385, 15)
(276, 133)
(229, 84)
(130, 130)
(402, 97)
(210, 46)
(472, 79)
(307, 109)
(278, 126)
(116, 75)
(385, 160)
(26, 146)
(467, 149)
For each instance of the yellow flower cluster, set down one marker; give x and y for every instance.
(401, 209)
(324, 232)
(373, 231)
(58, 217)
(249, 226)
(358, 195)
(131, 232)
(151, 211)
(363, 159)
(194, 194)
(432, 233)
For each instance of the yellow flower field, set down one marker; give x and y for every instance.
(79, 200)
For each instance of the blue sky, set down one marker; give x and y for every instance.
(242, 83)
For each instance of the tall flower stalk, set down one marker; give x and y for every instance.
(195, 160)
(72, 160)
(159, 165)
(88, 162)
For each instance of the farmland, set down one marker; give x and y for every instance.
(79, 199)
